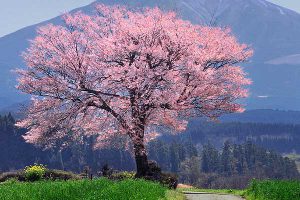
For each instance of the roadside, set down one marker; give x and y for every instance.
(193, 193)
(209, 196)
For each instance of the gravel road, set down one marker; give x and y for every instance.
(205, 196)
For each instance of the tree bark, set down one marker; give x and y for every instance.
(141, 158)
(61, 160)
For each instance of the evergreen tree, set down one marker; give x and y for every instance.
(227, 166)
(209, 159)
(174, 157)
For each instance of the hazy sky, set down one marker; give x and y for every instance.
(16, 14)
(291, 4)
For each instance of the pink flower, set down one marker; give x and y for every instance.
(117, 77)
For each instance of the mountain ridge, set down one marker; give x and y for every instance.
(270, 29)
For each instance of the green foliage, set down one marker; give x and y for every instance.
(274, 190)
(34, 172)
(123, 175)
(60, 175)
(247, 159)
(170, 155)
(235, 166)
(17, 175)
(174, 195)
(169, 180)
(189, 170)
(97, 189)
(11, 181)
(210, 159)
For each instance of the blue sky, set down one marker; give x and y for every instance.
(291, 4)
(16, 14)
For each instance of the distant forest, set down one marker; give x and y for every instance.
(283, 138)
(235, 166)
(202, 156)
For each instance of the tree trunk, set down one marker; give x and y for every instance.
(141, 158)
(61, 160)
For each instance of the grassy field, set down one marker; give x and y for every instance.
(274, 190)
(135, 190)
(87, 190)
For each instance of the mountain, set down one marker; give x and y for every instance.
(264, 116)
(272, 31)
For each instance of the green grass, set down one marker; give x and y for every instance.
(174, 195)
(104, 189)
(274, 190)
(87, 190)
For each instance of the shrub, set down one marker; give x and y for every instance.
(11, 181)
(166, 179)
(155, 174)
(60, 175)
(34, 172)
(106, 171)
(154, 169)
(170, 180)
(122, 175)
(18, 175)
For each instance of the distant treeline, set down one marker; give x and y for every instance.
(236, 164)
(191, 156)
(16, 154)
(283, 138)
(246, 159)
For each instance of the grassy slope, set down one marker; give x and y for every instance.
(87, 190)
(274, 190)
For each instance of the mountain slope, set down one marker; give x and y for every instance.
(272, 31)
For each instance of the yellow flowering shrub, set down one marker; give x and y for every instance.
(34, 172)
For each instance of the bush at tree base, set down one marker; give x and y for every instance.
(154, 174)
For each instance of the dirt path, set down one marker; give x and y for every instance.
(207, 196)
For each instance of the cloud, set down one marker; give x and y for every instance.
(263, 96)
(288, 60)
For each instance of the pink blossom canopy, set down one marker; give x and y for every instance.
(120, 70)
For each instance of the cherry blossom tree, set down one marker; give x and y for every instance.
(128, 74)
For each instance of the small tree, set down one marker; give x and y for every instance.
(123, 74)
